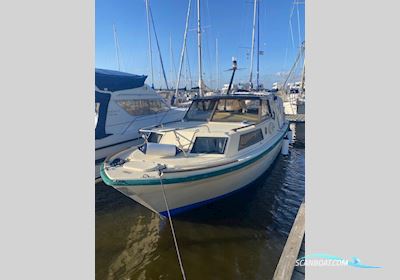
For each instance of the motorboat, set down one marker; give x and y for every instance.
(223, 143)
(124, 104)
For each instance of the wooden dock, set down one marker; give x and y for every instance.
(297, 118)
(284, 269)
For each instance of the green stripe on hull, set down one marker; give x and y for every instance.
(156, 182)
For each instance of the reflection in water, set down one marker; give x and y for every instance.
(239, 237)
(140, 244)
(299, 134)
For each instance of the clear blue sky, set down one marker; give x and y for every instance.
(228, 20)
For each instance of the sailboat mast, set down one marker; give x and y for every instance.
(199, 49)
(116, 47)
(158, 48)
(188, 68)
(258, 46)
(303, 74)
(293, 67)
(216, 62)
(149, 42)
(252, 43)
(183, 49)
(171, 59)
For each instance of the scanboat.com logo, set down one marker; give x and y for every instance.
(321, 259)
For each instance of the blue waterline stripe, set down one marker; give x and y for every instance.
(119, 143)
(166, 181)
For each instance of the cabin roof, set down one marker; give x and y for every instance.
(232, 96)
(201, 126)
(115, 80)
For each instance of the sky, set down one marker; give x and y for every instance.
(228, 21)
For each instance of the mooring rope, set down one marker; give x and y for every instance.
(160, 173)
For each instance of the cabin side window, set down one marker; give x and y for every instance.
(209, 145)
(154, 137)
(265, 110)
(143, 107)
(272, 113)
(250, 138)
(236, 110)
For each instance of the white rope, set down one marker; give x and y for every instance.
(160, 173)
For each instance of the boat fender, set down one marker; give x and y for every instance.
(160, 150)
(285, 146)
(290, 136)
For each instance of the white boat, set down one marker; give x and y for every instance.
(223, 144)
(124, 104)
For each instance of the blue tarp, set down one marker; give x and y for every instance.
(103, 99)
(115, 80)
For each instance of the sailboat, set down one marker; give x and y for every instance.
(293, 94)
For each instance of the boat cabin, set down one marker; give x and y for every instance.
(218, 126)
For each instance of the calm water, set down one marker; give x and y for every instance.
(239, 237)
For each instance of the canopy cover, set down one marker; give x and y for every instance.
(115, 80)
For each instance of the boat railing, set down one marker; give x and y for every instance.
(178, 139)
(178, 136)
(150, 129)
(245, 126)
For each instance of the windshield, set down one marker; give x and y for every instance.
(200, 110)
(237, 110)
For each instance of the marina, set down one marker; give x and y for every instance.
(199, 182)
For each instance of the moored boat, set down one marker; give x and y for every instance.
(124, 104)
(223, 144)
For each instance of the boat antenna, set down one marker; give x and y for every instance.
(183, 49)
(252, 43)
(234, 67)
(149, 42)
(116, 47)
(158, 47)
(199, 49)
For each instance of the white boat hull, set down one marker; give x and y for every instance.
(186, 195)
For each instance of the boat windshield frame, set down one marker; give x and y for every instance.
(213, 108)
(208, 113)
